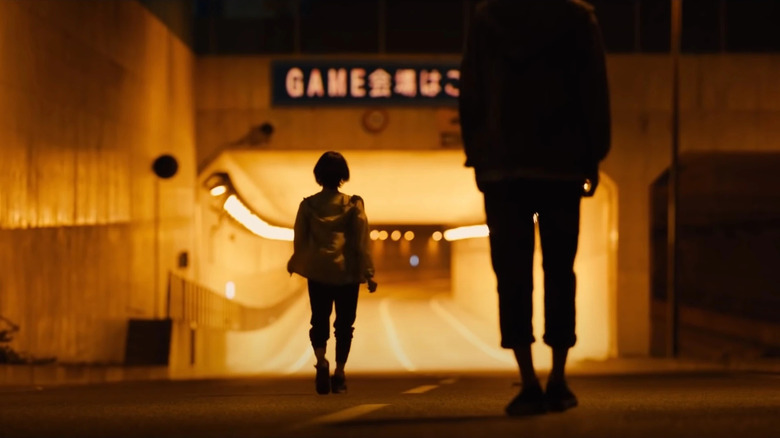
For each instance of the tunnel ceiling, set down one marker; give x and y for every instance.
(399, 187)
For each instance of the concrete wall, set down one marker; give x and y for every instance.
(729, 102)
(90, 94)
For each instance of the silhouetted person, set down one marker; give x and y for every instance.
(331, 249)
(534, 113)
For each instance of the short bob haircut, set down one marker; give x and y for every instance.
(331, 170)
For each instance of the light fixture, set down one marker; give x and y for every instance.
(396, 235)
(436, 236)
(469, 232)
(241, 213)
(218, 190)
(409, 235)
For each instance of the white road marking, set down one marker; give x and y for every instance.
(392, 336)
(421, 389)
(468, 334)
(343, 415)
(448, 381)
(306, 357)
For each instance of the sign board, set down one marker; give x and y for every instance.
(359, 83)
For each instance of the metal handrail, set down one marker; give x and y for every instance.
(199, 306)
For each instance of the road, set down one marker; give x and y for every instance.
(668, 404)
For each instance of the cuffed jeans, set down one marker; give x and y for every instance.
(510, 207)
(322, 298)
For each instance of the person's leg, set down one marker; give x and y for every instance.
(346, 310)
(559, 223)
(346, 298)
(510, 221)
(321, 300)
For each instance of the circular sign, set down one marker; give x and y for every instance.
(375, 120)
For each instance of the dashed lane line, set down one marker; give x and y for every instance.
(421, 389)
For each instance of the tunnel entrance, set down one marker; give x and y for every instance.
(437, 304)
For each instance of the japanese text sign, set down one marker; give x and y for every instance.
(364, 83)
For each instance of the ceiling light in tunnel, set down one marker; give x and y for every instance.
(374, 234)
(409, 235)
(468, 232)
(396, 235)
(383, 235)
(436, 236)
(218, 190)
(241, 213)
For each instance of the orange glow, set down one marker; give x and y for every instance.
(383, 235)
(409, 235)
(469, 232)
(396, 235)
(241, 213)
(230, 290)
(374, 234)
(436, 236)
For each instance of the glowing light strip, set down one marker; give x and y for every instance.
(469, 232)
(392, 336)
(241, 213)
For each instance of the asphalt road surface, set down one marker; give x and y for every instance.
(667, 404)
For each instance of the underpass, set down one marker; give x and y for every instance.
(436, 307)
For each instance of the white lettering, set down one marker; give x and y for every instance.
(337, 82)
(406, 82)
(430, 83)
(294, 82)
(450, 89)
(315, 84)
(357, 82)
(381, 83)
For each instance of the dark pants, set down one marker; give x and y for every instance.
(510, 207)
(322, 297)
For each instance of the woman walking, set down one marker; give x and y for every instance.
(331, 249)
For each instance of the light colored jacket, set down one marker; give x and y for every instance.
(331, 239)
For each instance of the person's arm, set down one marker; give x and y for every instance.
(365, 261)
(301, 235)
(594, 92)
(470, 106)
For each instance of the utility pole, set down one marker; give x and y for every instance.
(672, 317)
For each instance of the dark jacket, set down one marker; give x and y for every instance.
(534, 101)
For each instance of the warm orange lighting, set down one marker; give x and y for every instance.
(374, 234)
(383, 235)
(436, 236)
(218, 190)
(409, 235)
(396, 235)
(230, 290)
(469, 232)
(241, 213)
(536, 218)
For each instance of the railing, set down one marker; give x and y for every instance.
(199, 306)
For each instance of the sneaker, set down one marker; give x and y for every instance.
(322, 381)
(338, 384)
(559, 397)
(530, 401)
